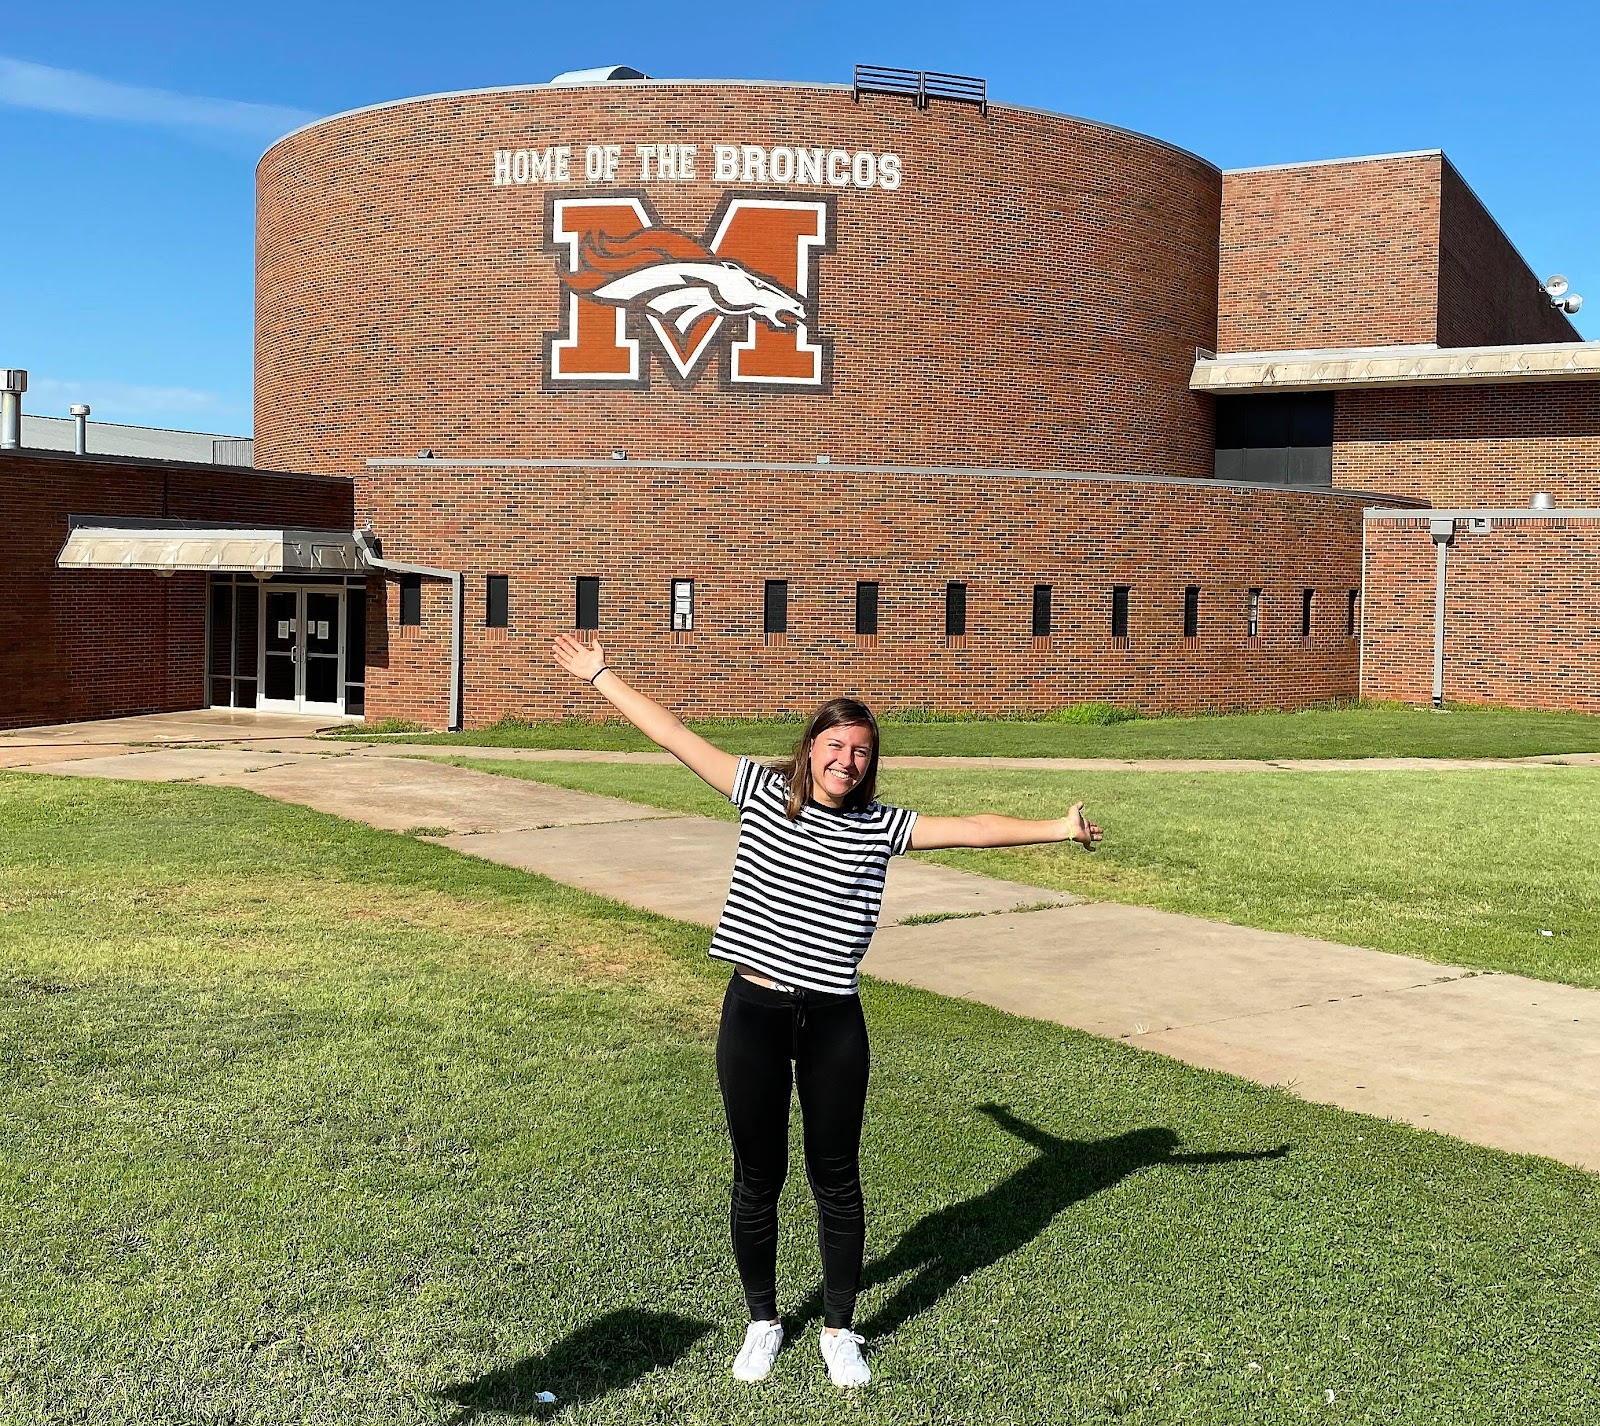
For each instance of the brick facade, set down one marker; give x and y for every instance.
(1522, 612)
(1329, 255)
(1031, 295)
(1387, 251)
(823, 531)
(1479, 445)
(78, 644)
(1488, 296)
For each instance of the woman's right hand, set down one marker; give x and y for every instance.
(579, 659)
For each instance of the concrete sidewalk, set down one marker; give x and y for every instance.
(1496, 1059)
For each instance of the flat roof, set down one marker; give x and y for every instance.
(1334, 162)
(1246, 487)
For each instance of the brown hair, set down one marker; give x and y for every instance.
(796, 770)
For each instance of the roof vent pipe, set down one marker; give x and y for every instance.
(13, 382)
(1542, 501)
(80, 417)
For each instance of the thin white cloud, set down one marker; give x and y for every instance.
(68, 91)
(118, 401)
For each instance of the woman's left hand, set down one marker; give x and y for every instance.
(579, 659)
(1081, 830)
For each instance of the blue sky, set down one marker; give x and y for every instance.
(129, 134)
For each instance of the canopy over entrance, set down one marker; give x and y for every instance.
(170, 546)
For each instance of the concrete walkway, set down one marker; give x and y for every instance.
(1497, 1059)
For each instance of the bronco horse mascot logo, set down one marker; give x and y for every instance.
(626, 274)
(680, 280)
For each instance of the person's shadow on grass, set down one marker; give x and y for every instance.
(605, 1355)
(954, 1242)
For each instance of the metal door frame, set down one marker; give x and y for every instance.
(299, 703)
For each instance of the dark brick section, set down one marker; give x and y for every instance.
(824, 532)
(1488, 296)
(1372, 252)
(78, 644)
(1522, 613)
(1032, 295)
(1478, 445)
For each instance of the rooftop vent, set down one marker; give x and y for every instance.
(922, 85)
(1542, 501)
(599, 76)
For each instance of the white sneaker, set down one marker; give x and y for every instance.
(761, 1343)
(842, 1352)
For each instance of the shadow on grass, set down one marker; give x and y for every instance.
(954, 1242)
(605, 1355)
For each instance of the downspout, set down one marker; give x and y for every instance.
(1443, 532)
(367, 543)
(1361, 626)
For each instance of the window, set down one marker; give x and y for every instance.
(775, 607)
(588, 613)
(1352, 611)
(1252, 623)
(682, 605)
(1191, 611)
(497, 601)
(1275, 438)
(955, 611)
(1306, 596)
(1041, 611)
(1119, 611)
(410, 600)
(867, 608)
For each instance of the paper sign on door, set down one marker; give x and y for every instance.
(322, 629)
(283, 628)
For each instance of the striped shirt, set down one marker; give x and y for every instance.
(806, 894)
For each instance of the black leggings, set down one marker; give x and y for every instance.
(825, 1036)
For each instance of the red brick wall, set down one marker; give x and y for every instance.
(1480, 445)
(1522, 613)
(78, 644)
(823, 531)
(408, 669)
(1329, 255)
(1487, 295)
(1370, 252)
(1031, 295)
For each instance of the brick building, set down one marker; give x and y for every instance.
(788, 389)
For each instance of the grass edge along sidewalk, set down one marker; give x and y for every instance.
(311, 1122)
(1360, 731)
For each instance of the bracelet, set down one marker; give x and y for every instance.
(604, 668)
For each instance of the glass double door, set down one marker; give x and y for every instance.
(302, 650)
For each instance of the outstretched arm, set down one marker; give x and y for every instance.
(989, 829)
(706, 761)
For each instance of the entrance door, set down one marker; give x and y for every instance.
(302, 651)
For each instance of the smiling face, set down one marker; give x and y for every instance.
(839, 758)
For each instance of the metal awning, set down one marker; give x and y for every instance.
(1358, 368)
(223, 549)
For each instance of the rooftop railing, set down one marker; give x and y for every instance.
(921, 85)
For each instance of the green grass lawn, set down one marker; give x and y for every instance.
(1351, 732)
(308, 1123)
(1466, 867)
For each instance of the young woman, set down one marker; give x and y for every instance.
(814, 848)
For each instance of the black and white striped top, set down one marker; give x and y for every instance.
(806, 894)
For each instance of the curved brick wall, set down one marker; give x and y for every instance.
(730, 531)
(1029, 292)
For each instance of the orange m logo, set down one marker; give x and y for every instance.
(747, 289)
